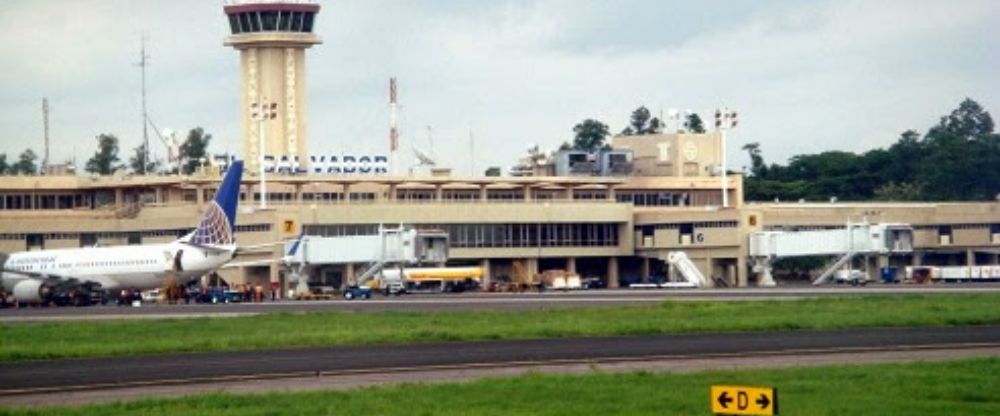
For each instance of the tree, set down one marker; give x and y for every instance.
(4, 166)
(25, 164)
(639, 122)
(590, 135)
(898, 192)
(655, 125)
(105, 160)
(954, 161)
(194, 149)
(693, 124)
(493, 171)
(140, 163)
(969, 121)
(757, 166)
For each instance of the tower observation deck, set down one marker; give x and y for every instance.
(272, 37)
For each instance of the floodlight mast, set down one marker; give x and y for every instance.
(724, 120)
(262, 112)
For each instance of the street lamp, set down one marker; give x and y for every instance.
(262, 112)
(725, 120)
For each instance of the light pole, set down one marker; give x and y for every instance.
(724, 120)
(261, 112)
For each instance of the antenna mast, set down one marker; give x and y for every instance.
(45, 125)
(142, 64)
(393, 127)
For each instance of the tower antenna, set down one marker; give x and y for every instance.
(472, 154)
(45, 125)
(142, 64)
(393, 119)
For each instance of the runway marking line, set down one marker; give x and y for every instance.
(471, 366)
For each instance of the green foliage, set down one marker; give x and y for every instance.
(693, 124)
(590, 135)
(757, 166)
(130, 337)
(25, 163)
(105, 160)
(641, 122)
(493, 171)
(892, 191)
(946, 388)
(4, 166)
(140, 163)
(194, 150)
(955, 161)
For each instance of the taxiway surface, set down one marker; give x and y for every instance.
(158, 370)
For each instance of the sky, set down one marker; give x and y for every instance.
(492, 78)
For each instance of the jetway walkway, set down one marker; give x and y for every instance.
(401, 246)
(845, 243)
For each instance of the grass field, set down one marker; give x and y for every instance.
(113, 338)
(967, 387)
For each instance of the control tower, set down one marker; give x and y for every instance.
(272, 37)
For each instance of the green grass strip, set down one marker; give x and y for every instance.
(130, 337)
(967, 387)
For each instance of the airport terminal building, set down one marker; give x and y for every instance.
(618, 227)
(615, 214)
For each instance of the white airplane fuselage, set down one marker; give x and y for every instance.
(121, 267)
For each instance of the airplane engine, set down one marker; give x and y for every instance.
(32, 291)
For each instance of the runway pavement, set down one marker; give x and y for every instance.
(103, 373)
(477, 301)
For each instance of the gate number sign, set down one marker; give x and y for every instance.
(743, 400)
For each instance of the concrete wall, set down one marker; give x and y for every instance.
(668, 154)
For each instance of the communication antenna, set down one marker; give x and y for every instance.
(393, 120)
(142, 64)
(169, 139)
(45, 125)
(422, 159)
(430, 140)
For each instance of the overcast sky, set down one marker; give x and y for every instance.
(806, 76)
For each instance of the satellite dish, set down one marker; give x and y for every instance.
(422, 158)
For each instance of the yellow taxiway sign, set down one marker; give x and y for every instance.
(743, 400)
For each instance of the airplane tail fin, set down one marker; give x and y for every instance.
(295, 245)
(218, 223)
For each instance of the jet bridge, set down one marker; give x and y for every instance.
(404, 246)
(848, 242)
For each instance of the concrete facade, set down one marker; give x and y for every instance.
(273, 72)
(616, 229)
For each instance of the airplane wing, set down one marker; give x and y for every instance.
(212, 249)
(252, 263)
(260, 246)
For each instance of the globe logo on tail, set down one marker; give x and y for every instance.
(214, 227)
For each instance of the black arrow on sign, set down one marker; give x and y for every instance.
(724, 400)
(763, 402)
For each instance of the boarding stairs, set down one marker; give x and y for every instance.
(686, 267)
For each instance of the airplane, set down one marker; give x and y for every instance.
(37, 276)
